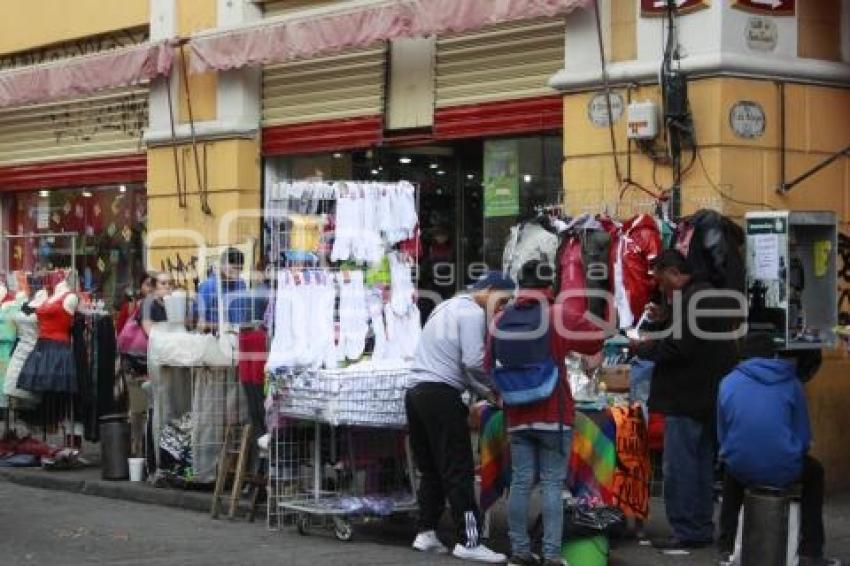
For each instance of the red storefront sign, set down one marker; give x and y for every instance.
(659, 7)
(767, 7)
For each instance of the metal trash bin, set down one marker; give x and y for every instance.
(764, 540)
(115, 447)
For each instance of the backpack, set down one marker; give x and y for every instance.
(524, 371)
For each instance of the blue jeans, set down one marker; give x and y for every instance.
(548, 453)
(689, 478)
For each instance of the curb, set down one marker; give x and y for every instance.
(122, 490)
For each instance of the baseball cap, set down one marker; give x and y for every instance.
(493, 280)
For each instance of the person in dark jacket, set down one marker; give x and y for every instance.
(695, 351)
(763, 428)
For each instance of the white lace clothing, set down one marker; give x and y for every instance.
(403, 332)
(320, 338)
(403, 213)
(348, 217)
(353, 315)
(379, 327)
(369, 246)
(281, 351)
(401, 281)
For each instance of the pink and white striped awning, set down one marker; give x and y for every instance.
(326, 33)
(85, 75)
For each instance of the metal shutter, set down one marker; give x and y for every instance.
(326, 88)
(272, 8)
(502, 62)
(97, 126)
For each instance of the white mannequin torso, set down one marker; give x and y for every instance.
(39, 299)
(71, 300)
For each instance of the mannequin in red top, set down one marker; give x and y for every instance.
(50, 366)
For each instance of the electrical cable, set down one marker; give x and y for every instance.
(722, 194)
(607, 94)
(628, 183)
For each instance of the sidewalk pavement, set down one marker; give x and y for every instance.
(394, 533)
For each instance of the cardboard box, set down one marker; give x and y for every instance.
(615, 378)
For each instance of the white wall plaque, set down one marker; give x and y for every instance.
(747, 119)
(761, 33)
(597, 109)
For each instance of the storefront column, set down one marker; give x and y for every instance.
(220, 173)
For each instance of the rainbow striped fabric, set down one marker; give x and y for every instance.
(594, 456)
(494, 447)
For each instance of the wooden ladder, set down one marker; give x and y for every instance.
(234, 463)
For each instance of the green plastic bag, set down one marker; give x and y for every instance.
(592, 551)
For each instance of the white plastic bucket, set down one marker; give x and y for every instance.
(137, 469)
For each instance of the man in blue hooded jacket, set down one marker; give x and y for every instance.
(763, 429)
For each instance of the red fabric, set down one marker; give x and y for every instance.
(253, 353)
(82, 76)
(54, 322)
(571, 276)
(642, 244)
(307, 37)
(412, 246)
(655, 432)
(568, 333)
(27, 445)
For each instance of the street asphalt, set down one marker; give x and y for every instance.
(48, 527)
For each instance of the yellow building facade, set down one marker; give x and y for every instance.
(203, 135)
(794, 68)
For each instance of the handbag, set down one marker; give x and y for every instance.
(132, 339)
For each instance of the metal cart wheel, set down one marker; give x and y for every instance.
(343, 529)
(302, 523)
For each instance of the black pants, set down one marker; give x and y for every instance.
(811, 510)
(442, 449)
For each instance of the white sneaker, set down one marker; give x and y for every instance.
(479, 553)
(428, 542)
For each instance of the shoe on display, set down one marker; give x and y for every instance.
(523, 560)
(428, 542)
(478, 553)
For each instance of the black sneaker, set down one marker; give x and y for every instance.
(671, 544)
(526, 560)
(821, 561)
(724, 558)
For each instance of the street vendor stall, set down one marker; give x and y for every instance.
(344, 325)
(196, 395)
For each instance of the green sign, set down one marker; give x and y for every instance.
(769, 225)
(501, 178)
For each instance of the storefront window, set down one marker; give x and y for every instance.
(106, 225)
(470, 192)
(520, 175)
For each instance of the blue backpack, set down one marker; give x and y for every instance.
(524, 371)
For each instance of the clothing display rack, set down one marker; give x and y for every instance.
(55, 409)
(346, 255)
